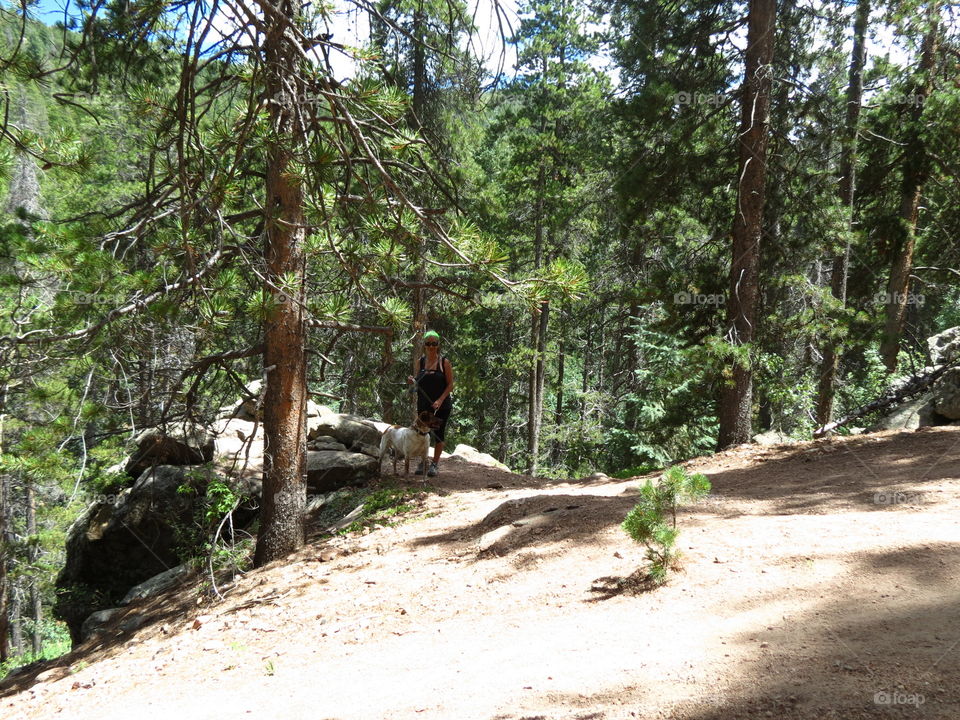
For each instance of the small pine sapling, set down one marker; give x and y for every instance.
(653, 520)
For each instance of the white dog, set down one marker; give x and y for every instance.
(410, 442)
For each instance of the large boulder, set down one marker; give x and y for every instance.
(469, 454)
(945, 347)
(325, 442)
(946, 394)
(123, 540)
(910, 415)
(99, 622)
(172, 445)
(158, 584)
(238, 453)
(331, 470)
(347, 429)
(772, 437)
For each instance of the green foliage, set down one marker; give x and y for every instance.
(55, 639)
(384, 505)
(653, 520)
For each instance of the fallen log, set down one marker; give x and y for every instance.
(894, 395)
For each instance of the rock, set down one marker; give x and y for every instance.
(371, 450)
(157, 584)
(188, 445)
(251, 406)
(772, 437)
(347, 429)
(328, 471)
(99, 621)
(469, 454)
(945, 347)
(238, 453)
(909, 415)
(332, 446)
(946, 394)
(53, 674)
(315, 410)
(490, 540)
(115, 545)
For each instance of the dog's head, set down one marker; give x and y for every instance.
(426, 421)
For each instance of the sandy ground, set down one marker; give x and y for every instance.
(820, 581)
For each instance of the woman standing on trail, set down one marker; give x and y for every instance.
(433, 380)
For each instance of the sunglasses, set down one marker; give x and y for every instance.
(432, 344)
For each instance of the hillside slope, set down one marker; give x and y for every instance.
(820, 582)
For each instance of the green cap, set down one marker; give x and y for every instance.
(431, 334)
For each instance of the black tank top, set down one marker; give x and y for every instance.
(432, 382)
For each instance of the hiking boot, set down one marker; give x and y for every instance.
(432, 472)
(419, 470)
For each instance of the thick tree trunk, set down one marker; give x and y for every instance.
(737, 395)
(285, 398)
(916, 170)
(847, 190)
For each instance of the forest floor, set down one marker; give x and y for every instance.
(820, 581)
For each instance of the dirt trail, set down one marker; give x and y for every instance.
(820, 582)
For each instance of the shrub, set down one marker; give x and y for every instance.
(653, 520)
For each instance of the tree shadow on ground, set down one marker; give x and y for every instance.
(869, 473)
(533, 520)
(850, 656)
(139, 619)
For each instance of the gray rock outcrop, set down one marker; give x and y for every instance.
(171, 446)
(945, 347)
(328, 471)
(946, 394)
(122, 541)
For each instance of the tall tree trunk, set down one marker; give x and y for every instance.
(285, 397)
(847, 190)
(16, 617)
(419, 67)
(4, 576)
(36, 608)
(538, 340)
(508, 379)
(737, 395)
(558, 410)
(916, 170)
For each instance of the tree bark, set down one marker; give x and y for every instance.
(36, 608)
(847, 190)
(4, 577)
(558, 410)
(537, 375)
(737, 394)
(916, 170)
(285, 397)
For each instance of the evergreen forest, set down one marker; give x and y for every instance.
(644, 231)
